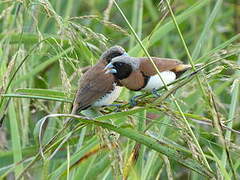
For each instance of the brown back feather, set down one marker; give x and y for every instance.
(93, 85)
(163, 64)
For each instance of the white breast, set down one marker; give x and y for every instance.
(109, 98)
(155, 82)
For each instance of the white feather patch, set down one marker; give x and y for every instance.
(109, 98)
(155, 82)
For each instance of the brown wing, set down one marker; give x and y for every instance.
(163, 64)
(93, 85)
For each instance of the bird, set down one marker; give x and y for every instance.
(139, 74)
(96, 88)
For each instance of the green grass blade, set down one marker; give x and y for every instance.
(41, 92)
(232, 111)
(74, 158)
(16, 139)
(37, 97)
(209, 21)
(224, 173)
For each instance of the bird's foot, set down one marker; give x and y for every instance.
(155, 93)
(133, 101)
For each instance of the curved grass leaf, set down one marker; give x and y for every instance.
(36, 97)
(42, 92)
(160, 146)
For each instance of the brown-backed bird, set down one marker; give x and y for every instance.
(96, 88)
(139, 73)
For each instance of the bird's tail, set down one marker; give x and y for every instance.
(182, 68)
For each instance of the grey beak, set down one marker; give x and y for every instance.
(109, 66)
(110, 69)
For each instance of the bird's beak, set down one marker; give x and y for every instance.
(110, 69)
(109, 66)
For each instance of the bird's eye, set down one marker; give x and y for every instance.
(120, 64)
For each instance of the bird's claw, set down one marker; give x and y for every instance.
(133, 101)
(155, 93)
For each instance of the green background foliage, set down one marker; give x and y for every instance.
(190, 131)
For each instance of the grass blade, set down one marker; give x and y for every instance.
(16, 140)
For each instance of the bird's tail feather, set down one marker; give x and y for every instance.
(182, 68)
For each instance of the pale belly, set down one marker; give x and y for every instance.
(156, 83)
(108, 98)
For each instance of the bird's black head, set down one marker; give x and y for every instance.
(123, 70)
(111, 53)
(121, 67)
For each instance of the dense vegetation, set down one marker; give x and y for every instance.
(189, 132)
